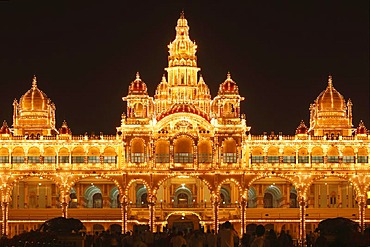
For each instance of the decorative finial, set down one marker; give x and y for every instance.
(228, 75)
(34, 81)
(182, 14)
(330, 81)
(164, 78)
(137, 76)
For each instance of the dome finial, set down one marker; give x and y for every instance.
(228, 75)
(34, 81)
(137, 76)
(330, 81)
(182, 14)
(164, 78)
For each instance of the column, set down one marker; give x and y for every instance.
(4, 208)
(302, 221)
(151, 204)
(243, 204)
(124, 205)
(216, 205)
(64, 209)
(361, 208)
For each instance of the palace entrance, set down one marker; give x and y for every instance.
(183, 222)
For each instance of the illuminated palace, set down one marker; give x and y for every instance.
(184, 159)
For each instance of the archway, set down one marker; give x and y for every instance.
(272, 197)
(93, 197)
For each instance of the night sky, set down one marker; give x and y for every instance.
(280, 55)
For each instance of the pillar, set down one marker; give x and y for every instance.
(302, 221)
(216, 205)
(243, 204)
(64, 209)
(151, 216)
(361, 208)
(4, 208)
(124, 206)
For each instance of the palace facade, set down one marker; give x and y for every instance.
(184, 159)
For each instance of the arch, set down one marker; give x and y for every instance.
(109, 151)
(63, 152)
(257, 151)
(93, 197)
(362, 151)
(230, 180)
(333, 151)
(273, 151)
(4, 152)
(162, 151)
(139, 110)
(114, 197)
(272, 197)
(183, 149)
(348, 151)
(183, 196)
(33, 151)
(205, 151)
(293, 198)
(78, 151)
(18, 151)
(225, 197)
(229, 151)
(137, 180)
(137, 145)
(49, 151)
(252, 198)
(317, 151)
(141, 196)
(303, 152)
(289, 151)
(93, 151)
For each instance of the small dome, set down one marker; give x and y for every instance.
(34, 99)
(361, 129)
(330, 99)
(64, 130)
(301, 129)
(228, 86)
(137, 86)
(4, 129)
(202, 86)
(162, 87)
(183, 108)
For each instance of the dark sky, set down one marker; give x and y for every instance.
(280, 55)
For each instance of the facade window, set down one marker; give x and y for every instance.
(183, 157)
(229, 157)
(4, 159)
(33, 159)
(110, 159)
(317, 159)
(17, 159)
(333, 159)
(273, 159)
(258, 159)
(49, 159)
(348, 159)
(137, 157)
(78, 159)
(93, 159)
(204, 158)
(63, 159)
(162, 158)
(288, 159)
(303, 159)
(362, 159)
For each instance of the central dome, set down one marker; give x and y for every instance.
(34, 99)
(330, 99)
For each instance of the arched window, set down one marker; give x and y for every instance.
(293, 198)
(93, 156)
(257, 155)
(114, 198)
(273, 155)
(183, 150)
(4, 155)
(272, 197)
(289, 155)
(362, 156)
(18, 155)
(141, 196)
(205, 152)
(93, 197)
(303, 156)
(162, 151)
(333, 155)
(252, 198)
(225, 197)
(229, 151)
(183, 197)
(137, 151)
(78, 155)
(33, 155)
(317, 155)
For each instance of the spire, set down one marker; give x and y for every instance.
(330, 81)
(137, 76)
(228, 75)
(164, 79)
(34, 81)
(201, 80)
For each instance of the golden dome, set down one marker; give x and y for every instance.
(330, 99)
(34, 99)
(228, 86)
(137, 86)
